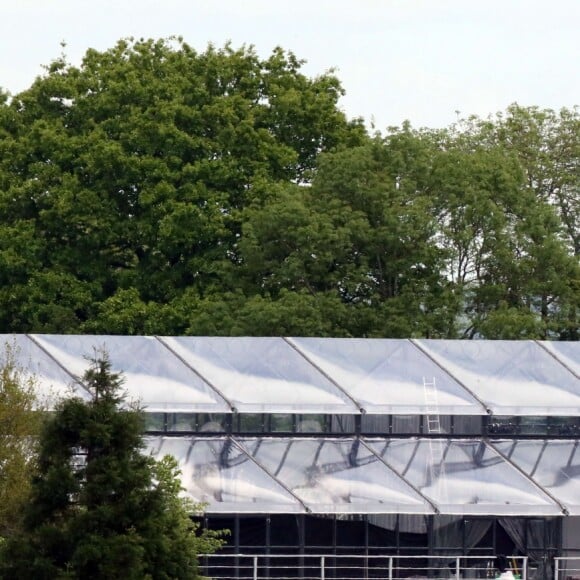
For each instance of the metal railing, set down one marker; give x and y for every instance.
(567, 568)
(348, 567)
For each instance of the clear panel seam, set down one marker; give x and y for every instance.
(556, 358)
(449, 373)
(77, 380)
(313, 364)
(415, 489)
(274, 478)
(193, 369)
(490, 445)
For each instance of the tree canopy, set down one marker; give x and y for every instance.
(157, 189)
(99, 506)
(19, 429)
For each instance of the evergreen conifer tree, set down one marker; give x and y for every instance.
(100, 508)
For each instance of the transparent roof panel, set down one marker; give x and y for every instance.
(153, 375)
(51, 382)
(218, 473)
(262, 375)
(336, 476)
(555, 465)
(567, 352)
(387, 376)
(511, 377)
(465, 477)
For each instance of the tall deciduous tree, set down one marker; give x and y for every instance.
(159, 190)
(547, 145)
(358, 244)
(129, 172)
(101, 508)
(531, 273)
(19, 430)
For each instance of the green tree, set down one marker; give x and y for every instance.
(100, 507)
(509, 196)
(129, 172)
(20, 421)
(379, 192)
(547, 145)
(354, 250)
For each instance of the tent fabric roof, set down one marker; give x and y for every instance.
(336, 476)
(262, 375)
(325, 474)
(351, 475)
(153, 375)
(52, 380)
(317, 375)
(511, 377)
(554, 465)
(387, 375)
(465, 477)
(220, 475)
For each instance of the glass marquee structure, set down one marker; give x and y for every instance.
(318, 376)
(402, 440)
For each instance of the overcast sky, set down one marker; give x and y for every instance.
(421, 60)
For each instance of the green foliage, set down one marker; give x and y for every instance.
(159, 190)
(127, 173)
(20, 421)
(100, 507)
(519, 250)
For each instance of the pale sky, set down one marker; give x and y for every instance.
(420, 60)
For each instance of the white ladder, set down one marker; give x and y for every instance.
(431, 406)
(437, 446)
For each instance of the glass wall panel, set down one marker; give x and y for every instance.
(343, 424)
(406, 424)
(387, 376)
(335, 476)
(534, 425)
(464, 477)
(153, 375)
(212, 422)
(499, 425)
(155, 422)
(478, 535)
(252, 423)
(218, 473)
(284, 532)
(262, 375)
(375, 424)
(448, 534)
(467, 425)
(512, 377)
(571, 536)
(564, 426)
(445, 422)
(555, 465)
(186, 422)
(311, 423)
(181, 422)
(282, 423)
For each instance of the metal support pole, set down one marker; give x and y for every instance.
(390, 568)
(525, 568)
(322, 574)
(457, 565)
(255, 567)
(556, 568)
